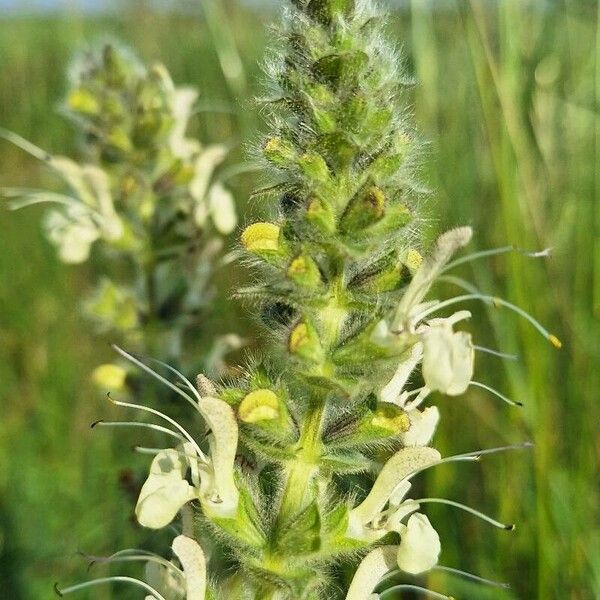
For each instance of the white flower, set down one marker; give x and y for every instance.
(419, 546)
(87, 217)
(214, 201)
(165, 491)
(369, 521)
(206, 163)
(182, 103)
(422, 426)
(222, 208)
(422, 423)
(91, 186)
(411, 303)
(448, 356)
(73, 231)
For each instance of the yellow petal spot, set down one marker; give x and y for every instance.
(109, 377)
(399, 424)
(260, 405)
(391, 418)
(413, 260)
(555, 341)
(315, 207)
(261, 236)
(273, 145)
(299, 337)
(298, 266)
(83, 101)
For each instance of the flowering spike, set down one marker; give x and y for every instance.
(344, 292)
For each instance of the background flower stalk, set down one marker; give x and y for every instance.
(143, 196)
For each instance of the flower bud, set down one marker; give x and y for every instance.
(83, 102)
(413, 260)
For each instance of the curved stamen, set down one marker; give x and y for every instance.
(128, 556)
(458, 572)
(414, 588)
(151, 426)
(490, 582)
(496, 353)
(495, 301)
(495, 252)
(461, 283)
(103, 580)
(31, 197)
(152, 451)
(484, 517)
(473, 456)
(496, 393)
(187, 383)
(153, 411)
(145, 367)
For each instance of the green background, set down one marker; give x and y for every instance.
(507, 100)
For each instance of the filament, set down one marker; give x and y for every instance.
(132, 555)
(496, 393)
(139, 363)
(495, 252)
(468, 509)
(151, 451)
(461, 283)
(479, 453)
(415, 588)
(477, 578)
(153, 411)
(496, 302)
(496, 353)
(183, 378)
(152, 426)
(471, 456)
(31, 197)
(117, 579)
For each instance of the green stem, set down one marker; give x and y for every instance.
(301, 472)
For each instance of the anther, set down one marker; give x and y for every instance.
(555, 341)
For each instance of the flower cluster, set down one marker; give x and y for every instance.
(145, 198)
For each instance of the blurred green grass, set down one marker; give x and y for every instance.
(508, 96)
